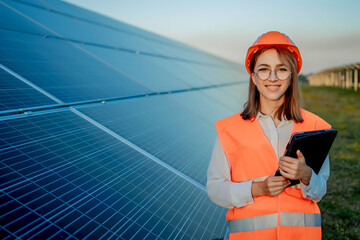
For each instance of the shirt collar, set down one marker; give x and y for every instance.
(261, 115)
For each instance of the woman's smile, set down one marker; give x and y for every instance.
(272, 88)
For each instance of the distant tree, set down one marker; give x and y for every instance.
(303, 79)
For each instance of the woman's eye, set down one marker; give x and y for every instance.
(263, 70)
(283, 69)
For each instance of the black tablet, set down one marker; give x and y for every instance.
(314, 145)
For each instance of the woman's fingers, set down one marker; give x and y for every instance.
(288, 174)
(300, 155)
(276, 178)
(288, 162)
(288, 171)
(274, 185)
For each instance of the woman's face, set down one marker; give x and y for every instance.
(273, 89)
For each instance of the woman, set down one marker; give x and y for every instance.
(250, 146)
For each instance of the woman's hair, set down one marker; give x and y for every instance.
(291, 106)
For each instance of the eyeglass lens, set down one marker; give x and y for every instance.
(281, 73)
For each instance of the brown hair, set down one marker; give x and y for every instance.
(291, 106)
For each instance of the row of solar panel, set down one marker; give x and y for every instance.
(84, 25)
(35, 148)
(76, 73)
(45, 16)
(189, 115)
(56, 11)
(60, 172)
(82, 70)
(15, 94)
(130, 168)
(76, 87)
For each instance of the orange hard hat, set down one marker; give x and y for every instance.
(273, 39)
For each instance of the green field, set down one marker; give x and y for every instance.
(341, 205)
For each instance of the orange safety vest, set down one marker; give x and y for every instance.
(286, 216)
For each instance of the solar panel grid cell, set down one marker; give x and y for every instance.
(15, 94)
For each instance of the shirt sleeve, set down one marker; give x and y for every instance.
(316, 189)
(221, 190)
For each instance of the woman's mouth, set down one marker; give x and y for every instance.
(272, 87)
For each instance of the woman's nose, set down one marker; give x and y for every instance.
(273, 76)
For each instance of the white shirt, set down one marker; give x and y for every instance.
(225, 193)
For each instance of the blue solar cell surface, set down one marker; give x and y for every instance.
(63, 69)
(12, 19)
(201, 104)
(79, 27)
(131, 165)
(15, 94)
(163, 128)
(156, 76)
(87, 32)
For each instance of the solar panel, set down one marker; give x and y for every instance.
(90, 33)
(153, 71)
(90, 17)
(67, 73)
(162, 128)
(15, 94)
(10, 19)
(116, 127)
(239, 91)
(194, 102)
(63, 177)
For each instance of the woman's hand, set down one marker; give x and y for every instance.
(271, 186)
(295, 168)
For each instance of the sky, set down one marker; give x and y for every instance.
(326, 32)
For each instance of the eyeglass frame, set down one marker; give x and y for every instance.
(270, 75)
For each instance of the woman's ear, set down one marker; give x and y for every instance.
(253, 79)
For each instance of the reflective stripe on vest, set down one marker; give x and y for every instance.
(292, 219)
(270, 221)
(253, 223)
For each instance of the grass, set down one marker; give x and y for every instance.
(341, 205)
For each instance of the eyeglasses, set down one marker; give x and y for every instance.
(282, 73)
